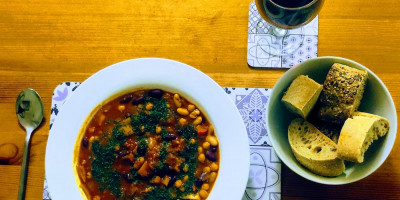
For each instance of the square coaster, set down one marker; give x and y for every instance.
(259, 38)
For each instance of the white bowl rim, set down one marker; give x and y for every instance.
(333, 182)
(232, 176)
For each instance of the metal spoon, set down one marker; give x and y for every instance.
(29, 109)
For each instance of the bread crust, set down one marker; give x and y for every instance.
(342, 93)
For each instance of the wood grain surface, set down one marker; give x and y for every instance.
(46, 42)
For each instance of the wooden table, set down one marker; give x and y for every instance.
(46, 42)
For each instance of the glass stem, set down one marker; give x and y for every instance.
(278, 32)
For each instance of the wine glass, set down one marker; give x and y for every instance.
(286, 16)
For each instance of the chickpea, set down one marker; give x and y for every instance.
(158, 129)
(177, 100)
(210, 129)
(201, 157)
(212, 140)
(200, 149)
(191, 107)
(182, 121)
(149, 106)
(214, 167)
(121, 108)
(198, 120)
(91, 139)
(205, 186)
(203, 194)
(182, 111)
(92, 129)
(206, 145)
(97, 197)
(89, 175)
(206, 169)
(186, 168)
(194, 114)
(185, 178)
(178, 183)
(213, 176)
(102, 118)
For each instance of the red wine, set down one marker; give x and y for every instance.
(289, 14)
(292, 3)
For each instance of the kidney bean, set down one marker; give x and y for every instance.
(126, 99)
(214, 148)
(172, 180)
(199, 182)
(156, 93)
(127, 177)
(85, 141)
(211, 156)
(137, 99)
(171, 137)
(122, 153)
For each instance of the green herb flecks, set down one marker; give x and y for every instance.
(142, 147)
(188, 132)
(158, 194)
(102, 160)
(190, 159)
(106, 177)
(150, 119)
(162, 167)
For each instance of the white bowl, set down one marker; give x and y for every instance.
(150, 73)
(376, 100)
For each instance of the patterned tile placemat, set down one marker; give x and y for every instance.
(259, 37)
(265, 167)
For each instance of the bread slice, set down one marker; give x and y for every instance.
(358, 133)
(313, 149)
(382, 123)
(342, 93)
(302, 95)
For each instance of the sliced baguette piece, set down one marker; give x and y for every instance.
(313, 149)
(342, 93)
(302, 95)
(358, 133)
(382, 124)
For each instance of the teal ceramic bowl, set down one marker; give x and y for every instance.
(377, 100)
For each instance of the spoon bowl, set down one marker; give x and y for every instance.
(29, 109)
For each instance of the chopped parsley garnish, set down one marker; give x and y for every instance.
(102, 172)
(149, 120)
(158, 194)
(188, 132)
(142, 147)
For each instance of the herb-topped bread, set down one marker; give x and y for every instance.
(313, 149)
(342, 92)
(358, 133)
(302, 95)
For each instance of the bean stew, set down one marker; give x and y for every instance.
(147, 144)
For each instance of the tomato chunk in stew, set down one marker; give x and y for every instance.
(148, 144)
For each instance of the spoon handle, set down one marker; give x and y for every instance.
(24, 168)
